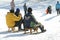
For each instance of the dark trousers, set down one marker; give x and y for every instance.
(23, 23)
(49, 11)
(18, 23)
(25, 12)
(42, 28)
(58, 11)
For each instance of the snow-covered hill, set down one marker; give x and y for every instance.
(51, 22)
(35, 4)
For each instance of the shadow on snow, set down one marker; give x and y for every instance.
(50, 18)
(15, 35)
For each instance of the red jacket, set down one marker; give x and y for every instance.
(46, 11)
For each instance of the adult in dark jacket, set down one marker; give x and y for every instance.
(28, 18)
(49, 9)
(58, 7)
(18, 23)
(25, 8)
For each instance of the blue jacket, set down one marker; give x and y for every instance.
(57, 6)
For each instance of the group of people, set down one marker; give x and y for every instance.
(49, 9)
(14, 18)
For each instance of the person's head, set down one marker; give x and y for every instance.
(17, 12)
(57, 2)
(11, 11)
(49, 6)
(30, 9)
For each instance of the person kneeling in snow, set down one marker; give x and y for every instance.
(10, 20)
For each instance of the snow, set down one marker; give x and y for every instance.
(51, 22)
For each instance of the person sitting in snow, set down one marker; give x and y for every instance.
(10, 20)
(48, 10)
(58, 8)
(30, 21)
(18, 23)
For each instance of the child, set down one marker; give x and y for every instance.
(49, 10)
(18, 23)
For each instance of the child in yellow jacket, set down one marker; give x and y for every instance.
(10, 20)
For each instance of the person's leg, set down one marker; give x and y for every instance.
(30, 30)
(8, 29)
(25, 30)
(37, 29)
(13, 29)
(49, 11)
(42, 28)
(25, 12)
(20, 23)
(23, 24)
(57, 11)
(19, 27)
(34, 29)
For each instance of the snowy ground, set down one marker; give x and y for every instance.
(50, 21)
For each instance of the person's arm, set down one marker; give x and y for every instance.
(33, 18)
(15, 18)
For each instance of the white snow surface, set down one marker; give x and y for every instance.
(51, 22)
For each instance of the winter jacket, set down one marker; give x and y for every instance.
(11, 18)
(28, 18)
(57, 6)
(49, 9)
